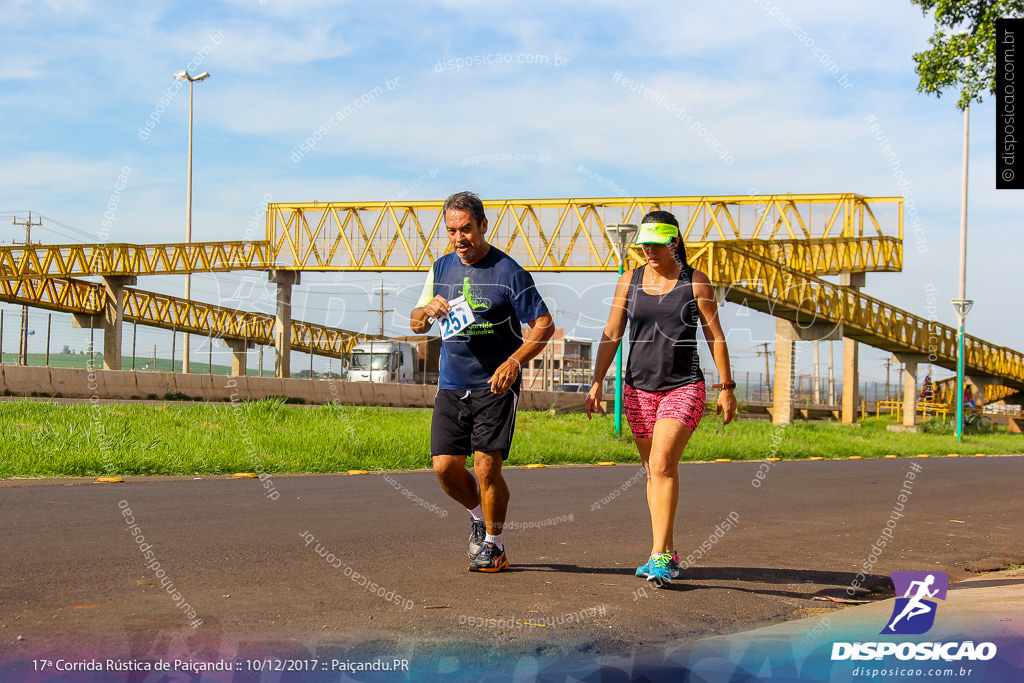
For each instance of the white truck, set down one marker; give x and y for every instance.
(394, 362)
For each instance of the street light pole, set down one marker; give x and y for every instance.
(962, 305)
(622, 232)
(185, 76)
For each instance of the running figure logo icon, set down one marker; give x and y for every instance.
(914, 613)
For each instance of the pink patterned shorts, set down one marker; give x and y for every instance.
(643, 408)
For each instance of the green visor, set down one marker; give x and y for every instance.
(656, 233)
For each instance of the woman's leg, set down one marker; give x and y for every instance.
(643, 446)
(662, 464)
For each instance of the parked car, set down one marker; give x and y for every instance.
(575, 387)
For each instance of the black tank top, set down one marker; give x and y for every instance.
(662, 335)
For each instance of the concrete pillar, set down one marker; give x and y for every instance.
(285, 280)
(910, 363)
(238, 348)
(851, 355)
(785, 363)
(112, 319)
(978, 384)
(851, 380)
(786, 336)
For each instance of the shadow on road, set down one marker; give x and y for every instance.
(876, 585)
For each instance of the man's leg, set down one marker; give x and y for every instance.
(494, 501)
(450, 433)
(493, 496)
(456, 480)
(494, 420)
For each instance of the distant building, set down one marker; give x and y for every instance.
(565, 360)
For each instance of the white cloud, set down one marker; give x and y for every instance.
(282, 70)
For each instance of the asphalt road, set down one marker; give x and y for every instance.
(73, 577)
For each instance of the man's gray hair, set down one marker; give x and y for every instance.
(465, 201)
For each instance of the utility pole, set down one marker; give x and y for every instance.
(23, 341)
(831, 378)
(817, 392)
(888, 362)
(381, 310)
(767, 371)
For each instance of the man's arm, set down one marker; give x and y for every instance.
(541, 330)
(427, 306)
(419, 319)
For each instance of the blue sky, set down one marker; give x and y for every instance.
(509, 99)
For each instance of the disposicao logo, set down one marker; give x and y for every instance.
(914, 614)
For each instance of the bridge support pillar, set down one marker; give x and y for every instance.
(910, 365)
(785, 364)
(110, 319)
(786, 336)
(851, 356)
(285, 280)
(238, 348)
(978, 384)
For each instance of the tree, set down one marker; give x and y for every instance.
(963, 28)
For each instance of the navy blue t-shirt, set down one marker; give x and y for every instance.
(503, 297)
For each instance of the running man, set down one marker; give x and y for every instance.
(475, 406)
(916, 605)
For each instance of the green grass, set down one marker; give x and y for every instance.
(197, 364)
(142, 363)
(43, 439)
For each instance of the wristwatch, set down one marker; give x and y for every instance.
(724, 385)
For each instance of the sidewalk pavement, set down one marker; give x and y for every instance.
(988, 605)
(984, 609)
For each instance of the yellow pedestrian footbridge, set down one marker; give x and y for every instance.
(767, 252)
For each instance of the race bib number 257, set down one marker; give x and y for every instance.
(459, 317)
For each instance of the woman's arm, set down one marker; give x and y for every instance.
(610, 339)
(704, 293)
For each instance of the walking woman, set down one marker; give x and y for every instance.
(664, 395)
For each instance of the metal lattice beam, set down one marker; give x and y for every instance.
(754, 281)
(175, 313)
(563, 234)
(71, 260)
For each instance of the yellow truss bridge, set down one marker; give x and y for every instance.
(765, 252)
(89, 300)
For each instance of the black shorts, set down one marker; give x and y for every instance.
(465, 422)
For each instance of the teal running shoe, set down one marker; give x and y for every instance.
(644, 569)
(659, 573)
